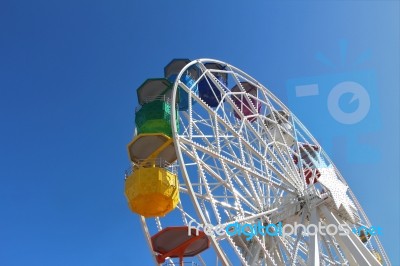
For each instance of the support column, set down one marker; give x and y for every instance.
(313, 258)
(361, 254)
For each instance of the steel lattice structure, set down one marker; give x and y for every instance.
(255, 162)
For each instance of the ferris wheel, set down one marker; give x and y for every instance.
(223, 173)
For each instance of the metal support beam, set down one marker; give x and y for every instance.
(361, 254)
(313, 258)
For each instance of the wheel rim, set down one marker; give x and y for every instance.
(235, 169)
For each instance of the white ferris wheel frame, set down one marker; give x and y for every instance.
(278, 175)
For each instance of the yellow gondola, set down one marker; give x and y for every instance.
(151, 189)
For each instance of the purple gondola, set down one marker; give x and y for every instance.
(243, 103)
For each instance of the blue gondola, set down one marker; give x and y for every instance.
(172, 70)
(208, 90)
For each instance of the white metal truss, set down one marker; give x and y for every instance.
(253, 169)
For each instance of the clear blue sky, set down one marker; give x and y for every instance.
(68, 77)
